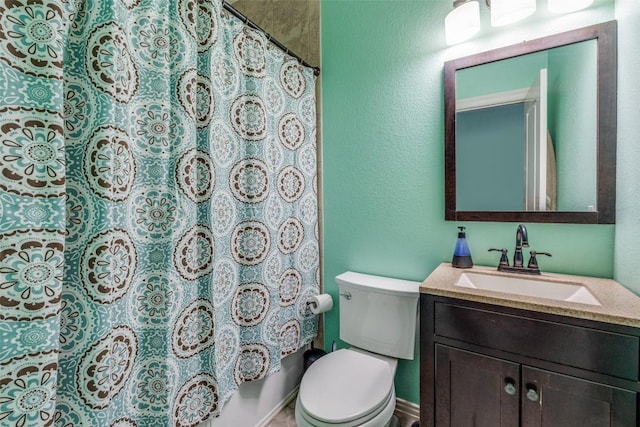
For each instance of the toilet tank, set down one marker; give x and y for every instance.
(378, 314)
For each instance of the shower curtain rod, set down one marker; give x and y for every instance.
(249, 22)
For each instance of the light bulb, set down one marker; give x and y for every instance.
(462, 23)
(566, 6)
(504, 12)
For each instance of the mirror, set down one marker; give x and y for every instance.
(530, 130)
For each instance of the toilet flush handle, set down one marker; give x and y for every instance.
(347, 295)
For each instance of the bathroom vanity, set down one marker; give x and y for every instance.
(496, 358)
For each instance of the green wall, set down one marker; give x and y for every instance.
(490, 152)
(573, 82)
(628, 172)
(383, 176)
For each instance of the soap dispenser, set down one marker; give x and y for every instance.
(462, 254)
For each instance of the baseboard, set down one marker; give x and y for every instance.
(407, 412)
(275, 411)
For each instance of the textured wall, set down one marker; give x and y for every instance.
(628, 173)
(574, 103)
(384, 142)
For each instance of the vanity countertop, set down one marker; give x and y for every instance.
(619, 305)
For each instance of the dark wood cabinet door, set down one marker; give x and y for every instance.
(474, 390)
(552, 400)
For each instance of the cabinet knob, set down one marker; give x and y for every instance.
(532, 393)
(510, 389)
(510, 386)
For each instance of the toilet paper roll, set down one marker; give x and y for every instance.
(320, 303)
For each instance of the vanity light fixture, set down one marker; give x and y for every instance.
(505, 12)
(463, 22)
(566, 6)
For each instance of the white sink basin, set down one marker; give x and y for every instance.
(528, 286)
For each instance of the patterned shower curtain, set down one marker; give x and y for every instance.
(158, 211)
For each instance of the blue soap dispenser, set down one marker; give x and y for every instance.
(462, 254)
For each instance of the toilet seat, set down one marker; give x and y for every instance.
(381, 417)
(346, 387)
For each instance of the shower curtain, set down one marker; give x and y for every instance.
(158, 210)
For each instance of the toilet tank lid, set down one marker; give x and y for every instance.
(379, 283)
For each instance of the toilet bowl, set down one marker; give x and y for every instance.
(347, 388)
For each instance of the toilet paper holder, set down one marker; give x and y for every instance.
(318, 304)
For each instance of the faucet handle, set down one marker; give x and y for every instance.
(533, 262)
(504, 260)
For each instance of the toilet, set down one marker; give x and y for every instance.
(354, 387)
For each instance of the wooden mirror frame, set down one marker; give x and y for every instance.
(607, 71)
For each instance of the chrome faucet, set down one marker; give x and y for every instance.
(522, 241)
